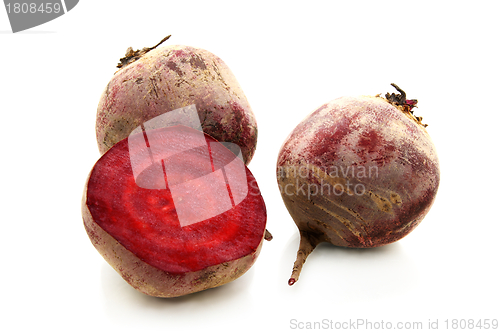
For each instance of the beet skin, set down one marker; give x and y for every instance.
(169, 78)
(358, 172)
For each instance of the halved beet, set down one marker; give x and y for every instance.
(174, 211)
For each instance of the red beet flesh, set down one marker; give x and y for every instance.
(357, 172)
(178, 220)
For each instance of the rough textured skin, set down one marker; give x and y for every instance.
(153, 281)
(171, 77)
(375, 172)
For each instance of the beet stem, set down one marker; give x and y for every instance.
(268, 236)
(405, 105)
(161, 42)
(132, 55)
(307, 244)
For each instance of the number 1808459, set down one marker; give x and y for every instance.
(32, 8)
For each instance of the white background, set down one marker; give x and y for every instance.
(289, 57)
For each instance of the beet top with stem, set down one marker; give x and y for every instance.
(357, 172)
(157, 80)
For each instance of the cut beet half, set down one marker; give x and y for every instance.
(174, 211)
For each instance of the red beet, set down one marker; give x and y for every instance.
(358, 172)
(156, 80)
(173, 211)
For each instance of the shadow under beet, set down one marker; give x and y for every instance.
(352, 275)
(126, 306)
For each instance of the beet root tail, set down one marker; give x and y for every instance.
(307, 244)
(268, 236)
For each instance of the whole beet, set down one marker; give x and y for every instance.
(156, 80)
(358, 172)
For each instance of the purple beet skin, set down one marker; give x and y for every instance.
(156, 80)
(358, 172)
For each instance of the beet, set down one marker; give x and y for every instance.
(153, 81)
(358, 172)
(174, 211)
